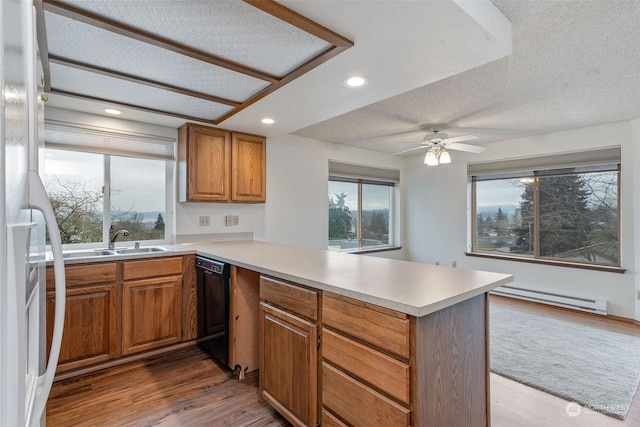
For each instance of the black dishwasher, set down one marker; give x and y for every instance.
(213, 307)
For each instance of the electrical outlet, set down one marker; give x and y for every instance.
(236, 220)
(228, 220)
(454, 264)
(204, 221)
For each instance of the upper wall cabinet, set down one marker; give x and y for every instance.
(217, 165)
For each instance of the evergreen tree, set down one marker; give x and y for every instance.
(377, 225)
(340, 220)
(500, 222)
(159, 225)
(564, 219)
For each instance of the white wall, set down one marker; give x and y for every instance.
(635, 160)
(297, 183)
(436, 210)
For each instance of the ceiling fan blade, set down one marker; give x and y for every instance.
(460, 138)
(410, 149)
(465, 147)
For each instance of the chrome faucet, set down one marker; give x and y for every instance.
(113, 235)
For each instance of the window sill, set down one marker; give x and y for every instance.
(596, 267)
(365, 251)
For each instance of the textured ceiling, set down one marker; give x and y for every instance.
(574, 64)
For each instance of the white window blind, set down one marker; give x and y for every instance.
(339, 171)
(605, 157)
(96, 139)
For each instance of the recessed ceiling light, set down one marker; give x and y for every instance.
(355, 81)
(112, 111)
(268, 121)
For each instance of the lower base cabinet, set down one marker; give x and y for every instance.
(289, 350)
(288, 367)
(151, 304)
(152, 314)
(115, 309)
(90, 333)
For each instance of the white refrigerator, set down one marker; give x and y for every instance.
(26, 215)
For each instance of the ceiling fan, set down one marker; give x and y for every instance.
(437, 143)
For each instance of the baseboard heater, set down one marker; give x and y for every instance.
(597, 306)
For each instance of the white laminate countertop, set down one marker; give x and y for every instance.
(412, 288)
(409, 287)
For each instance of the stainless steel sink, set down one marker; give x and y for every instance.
(94, 253)
(143, 250)
(88, 254)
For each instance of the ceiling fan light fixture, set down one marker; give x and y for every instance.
(444, 157)
(430, 159)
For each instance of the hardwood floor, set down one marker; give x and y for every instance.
(186, 388)
(181, 388)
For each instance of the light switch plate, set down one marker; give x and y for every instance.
(204, 221)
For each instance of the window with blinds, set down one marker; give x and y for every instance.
(100, 178)
(361, 200)
(563, 207)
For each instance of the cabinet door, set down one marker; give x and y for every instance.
(248, 156)
(90, 331)
(152, 312)
(208, 164)
(289, 365)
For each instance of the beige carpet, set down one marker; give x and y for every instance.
(598, 369)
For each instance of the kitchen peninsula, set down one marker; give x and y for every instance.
(346, 339)
(401, 343)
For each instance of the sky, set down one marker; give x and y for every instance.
(374, 197)
(499, 192)
(136, 184)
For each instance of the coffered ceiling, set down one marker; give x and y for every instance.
(198, 60)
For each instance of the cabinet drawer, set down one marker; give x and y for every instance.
(330, 420)
(301, 301)
(381, 371)
(156, 267)
(382, 328)
(358, 404)
(82, 275)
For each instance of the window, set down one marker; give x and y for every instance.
(93, 187)
(360, 209)
(567, 213)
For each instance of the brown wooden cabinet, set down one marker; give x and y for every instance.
(248, 166)
(217, 165)
(366, 363)
(381, 367)
(288, 350)
(151, 304)
(91, 322)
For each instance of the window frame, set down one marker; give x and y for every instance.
(360, 181)
(169, 166)
(535, 174)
